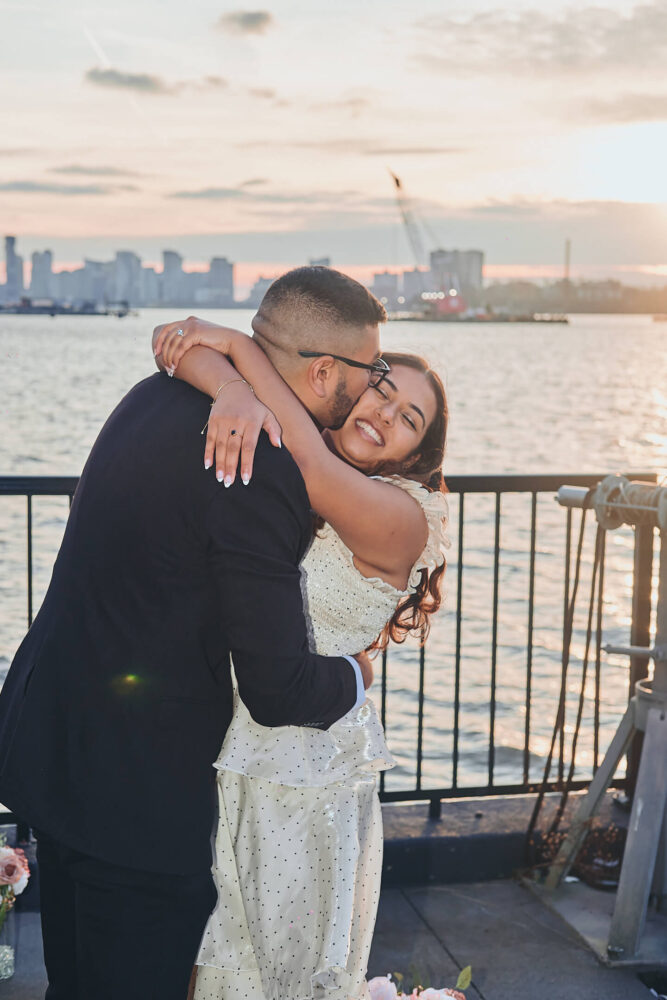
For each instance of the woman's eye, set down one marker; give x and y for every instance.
(380, 392)
(410, 421)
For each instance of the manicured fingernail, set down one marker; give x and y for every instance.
(228, 481)
(208, 463)
(218, 476)
(170, 372)
(280, 444)
(245, 480)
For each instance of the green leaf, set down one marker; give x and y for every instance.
(465, 978)
(398, 977)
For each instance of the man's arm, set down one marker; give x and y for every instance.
(256, 541)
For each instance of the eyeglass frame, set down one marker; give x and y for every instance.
(380, 367)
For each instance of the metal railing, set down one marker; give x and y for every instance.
(461, 487)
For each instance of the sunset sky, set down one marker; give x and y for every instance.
(266, 133)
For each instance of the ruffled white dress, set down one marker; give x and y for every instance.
(298, 848)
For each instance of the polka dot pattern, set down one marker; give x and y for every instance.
(298, 845)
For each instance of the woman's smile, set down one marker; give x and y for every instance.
(369, 432)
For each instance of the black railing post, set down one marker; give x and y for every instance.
(457, 666)
(640, 632)
(529, 652)
(494, 644)
(29, 557)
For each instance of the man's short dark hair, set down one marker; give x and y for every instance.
(337, 297)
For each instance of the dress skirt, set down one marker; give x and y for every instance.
(298, 876)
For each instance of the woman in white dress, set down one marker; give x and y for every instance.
(298, 848)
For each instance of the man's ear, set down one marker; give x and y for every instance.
(321, 376)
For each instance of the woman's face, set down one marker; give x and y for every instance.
(388, 423)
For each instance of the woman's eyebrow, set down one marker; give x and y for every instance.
(414, 406)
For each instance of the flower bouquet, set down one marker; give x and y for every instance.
(382, 988)
(14, 875)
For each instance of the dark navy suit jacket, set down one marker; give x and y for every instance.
(118, 699)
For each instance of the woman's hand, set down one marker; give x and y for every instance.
(172, 340)
(237, 417)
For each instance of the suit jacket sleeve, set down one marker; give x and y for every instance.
(257, 538)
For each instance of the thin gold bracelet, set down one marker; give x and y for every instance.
(219, 390)
(236, 378)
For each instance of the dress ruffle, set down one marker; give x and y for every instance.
(436, 511)
(300, 756)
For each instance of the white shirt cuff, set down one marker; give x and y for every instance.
(361, 690)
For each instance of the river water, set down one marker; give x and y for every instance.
(587, 397)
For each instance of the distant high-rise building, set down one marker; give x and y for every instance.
(150, 286)
(414, 283)
(385, 288)
(172, 278)
(14, 264)
(460, 269)
(69, 285)
(320, 262)
(41, 279)
(126, 284)
(95, 282)
(219, 289)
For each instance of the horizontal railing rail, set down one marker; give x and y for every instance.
(460, 487)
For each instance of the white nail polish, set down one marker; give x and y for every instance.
(245, 480)
(228, 481)
(218, 476)
(208, 463)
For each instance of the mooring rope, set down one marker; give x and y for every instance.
(559, 724)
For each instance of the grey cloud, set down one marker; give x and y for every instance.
(625, 108)
(75, 168)
(246, 22)
(145, 83)
(46, 187)
(210, 194)
(579, 39)
(256, 197)
(254, 182)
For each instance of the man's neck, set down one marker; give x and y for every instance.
(291, 377)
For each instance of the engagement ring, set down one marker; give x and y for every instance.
(232, 433)
(179, 333)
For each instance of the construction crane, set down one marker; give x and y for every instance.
(446, 300)
(409, 221)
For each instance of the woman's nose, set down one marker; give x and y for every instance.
(385, 411)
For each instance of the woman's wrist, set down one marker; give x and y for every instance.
(223, 385)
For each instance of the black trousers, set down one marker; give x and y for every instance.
(113, 933)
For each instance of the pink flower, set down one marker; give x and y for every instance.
(431, 994)
(382, 988)
(14, 869)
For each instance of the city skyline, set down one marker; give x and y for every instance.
(267, 135)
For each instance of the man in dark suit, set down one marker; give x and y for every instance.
(119, 697)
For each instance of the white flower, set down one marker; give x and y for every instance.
(382, 988)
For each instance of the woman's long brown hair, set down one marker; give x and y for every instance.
(412, 616)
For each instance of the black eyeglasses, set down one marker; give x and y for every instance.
(377, 371)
